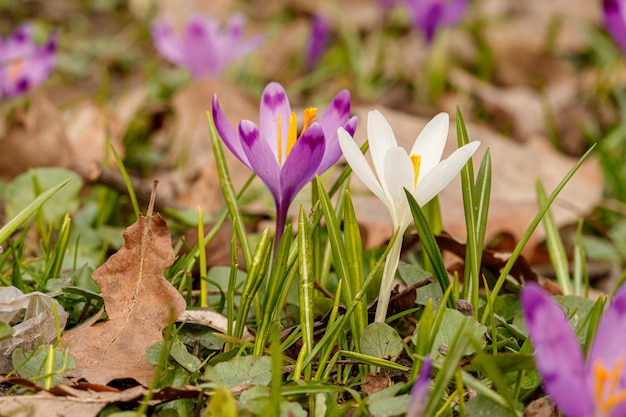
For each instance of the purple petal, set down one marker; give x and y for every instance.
(419, 393)
(558, 355)
(261, 158)
(335, 116)
(430, 15)
(318, 42)
(610, 339)
(200, 47)
(231, 45)
(274, 103)
(228, 133)
(614, 21)
(25, 64)
(42, 64)
(167, 43)
(302, 162)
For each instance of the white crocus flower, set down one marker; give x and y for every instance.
(421, 172)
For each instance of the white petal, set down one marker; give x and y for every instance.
(398, 176)
(381, 138)
(435, 180)
(358, 163)
(431, 141)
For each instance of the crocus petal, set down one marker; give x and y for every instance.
(261, 158)
(232, 45)
(200, 47)
(359, 164)
(398, 171)
(19, 44)
(380, 137)
(43, 61)
(333, 150)
(437, 178)
(334, 116)
(228, 133)
(558, 355)
(610, 338)
(454, 12)
(167, 42)
(419, 393)
(318, 41)
(431, 142)
(24, 64)
(274, 103)
(614, 20)
(302, 162)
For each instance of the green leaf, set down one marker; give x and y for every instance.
(390, 406)
(32, 365)
(381, 341)
(20, 193)
(430, 246)
(184, 358)
(576, 308)
(451, 323)
(28, 210)
(5, 330)
(240, 370)
(481, 406)
(505, 362)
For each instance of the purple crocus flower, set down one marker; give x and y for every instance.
(430, 15)
(318, 42)
(285, 161)
(595, 387)
(615, 20)
(204, 48)
(419, 393)
(24, 64)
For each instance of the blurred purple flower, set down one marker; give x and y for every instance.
(204, 48)
(592, 388)
(284, 161)
(24, 64)
(419, 393)
(615, 20)
(430, 15)
(387, 4)
(318, 42)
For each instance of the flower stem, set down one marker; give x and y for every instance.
(386, 284)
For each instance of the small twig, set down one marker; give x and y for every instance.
(155, 183)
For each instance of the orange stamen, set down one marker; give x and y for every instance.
(606, 386)
(416, 160)
(309, 115)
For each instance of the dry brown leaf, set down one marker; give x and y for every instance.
(90, 128)
(139, 302)
(35, 137)
(81, 399)
(195, 181)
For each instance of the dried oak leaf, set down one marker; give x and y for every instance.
(82, 399)
(139, 302)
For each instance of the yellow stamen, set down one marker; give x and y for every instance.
(606, 384)
(292, 134)
(416, 160)
(280, 141)
(309, 115)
